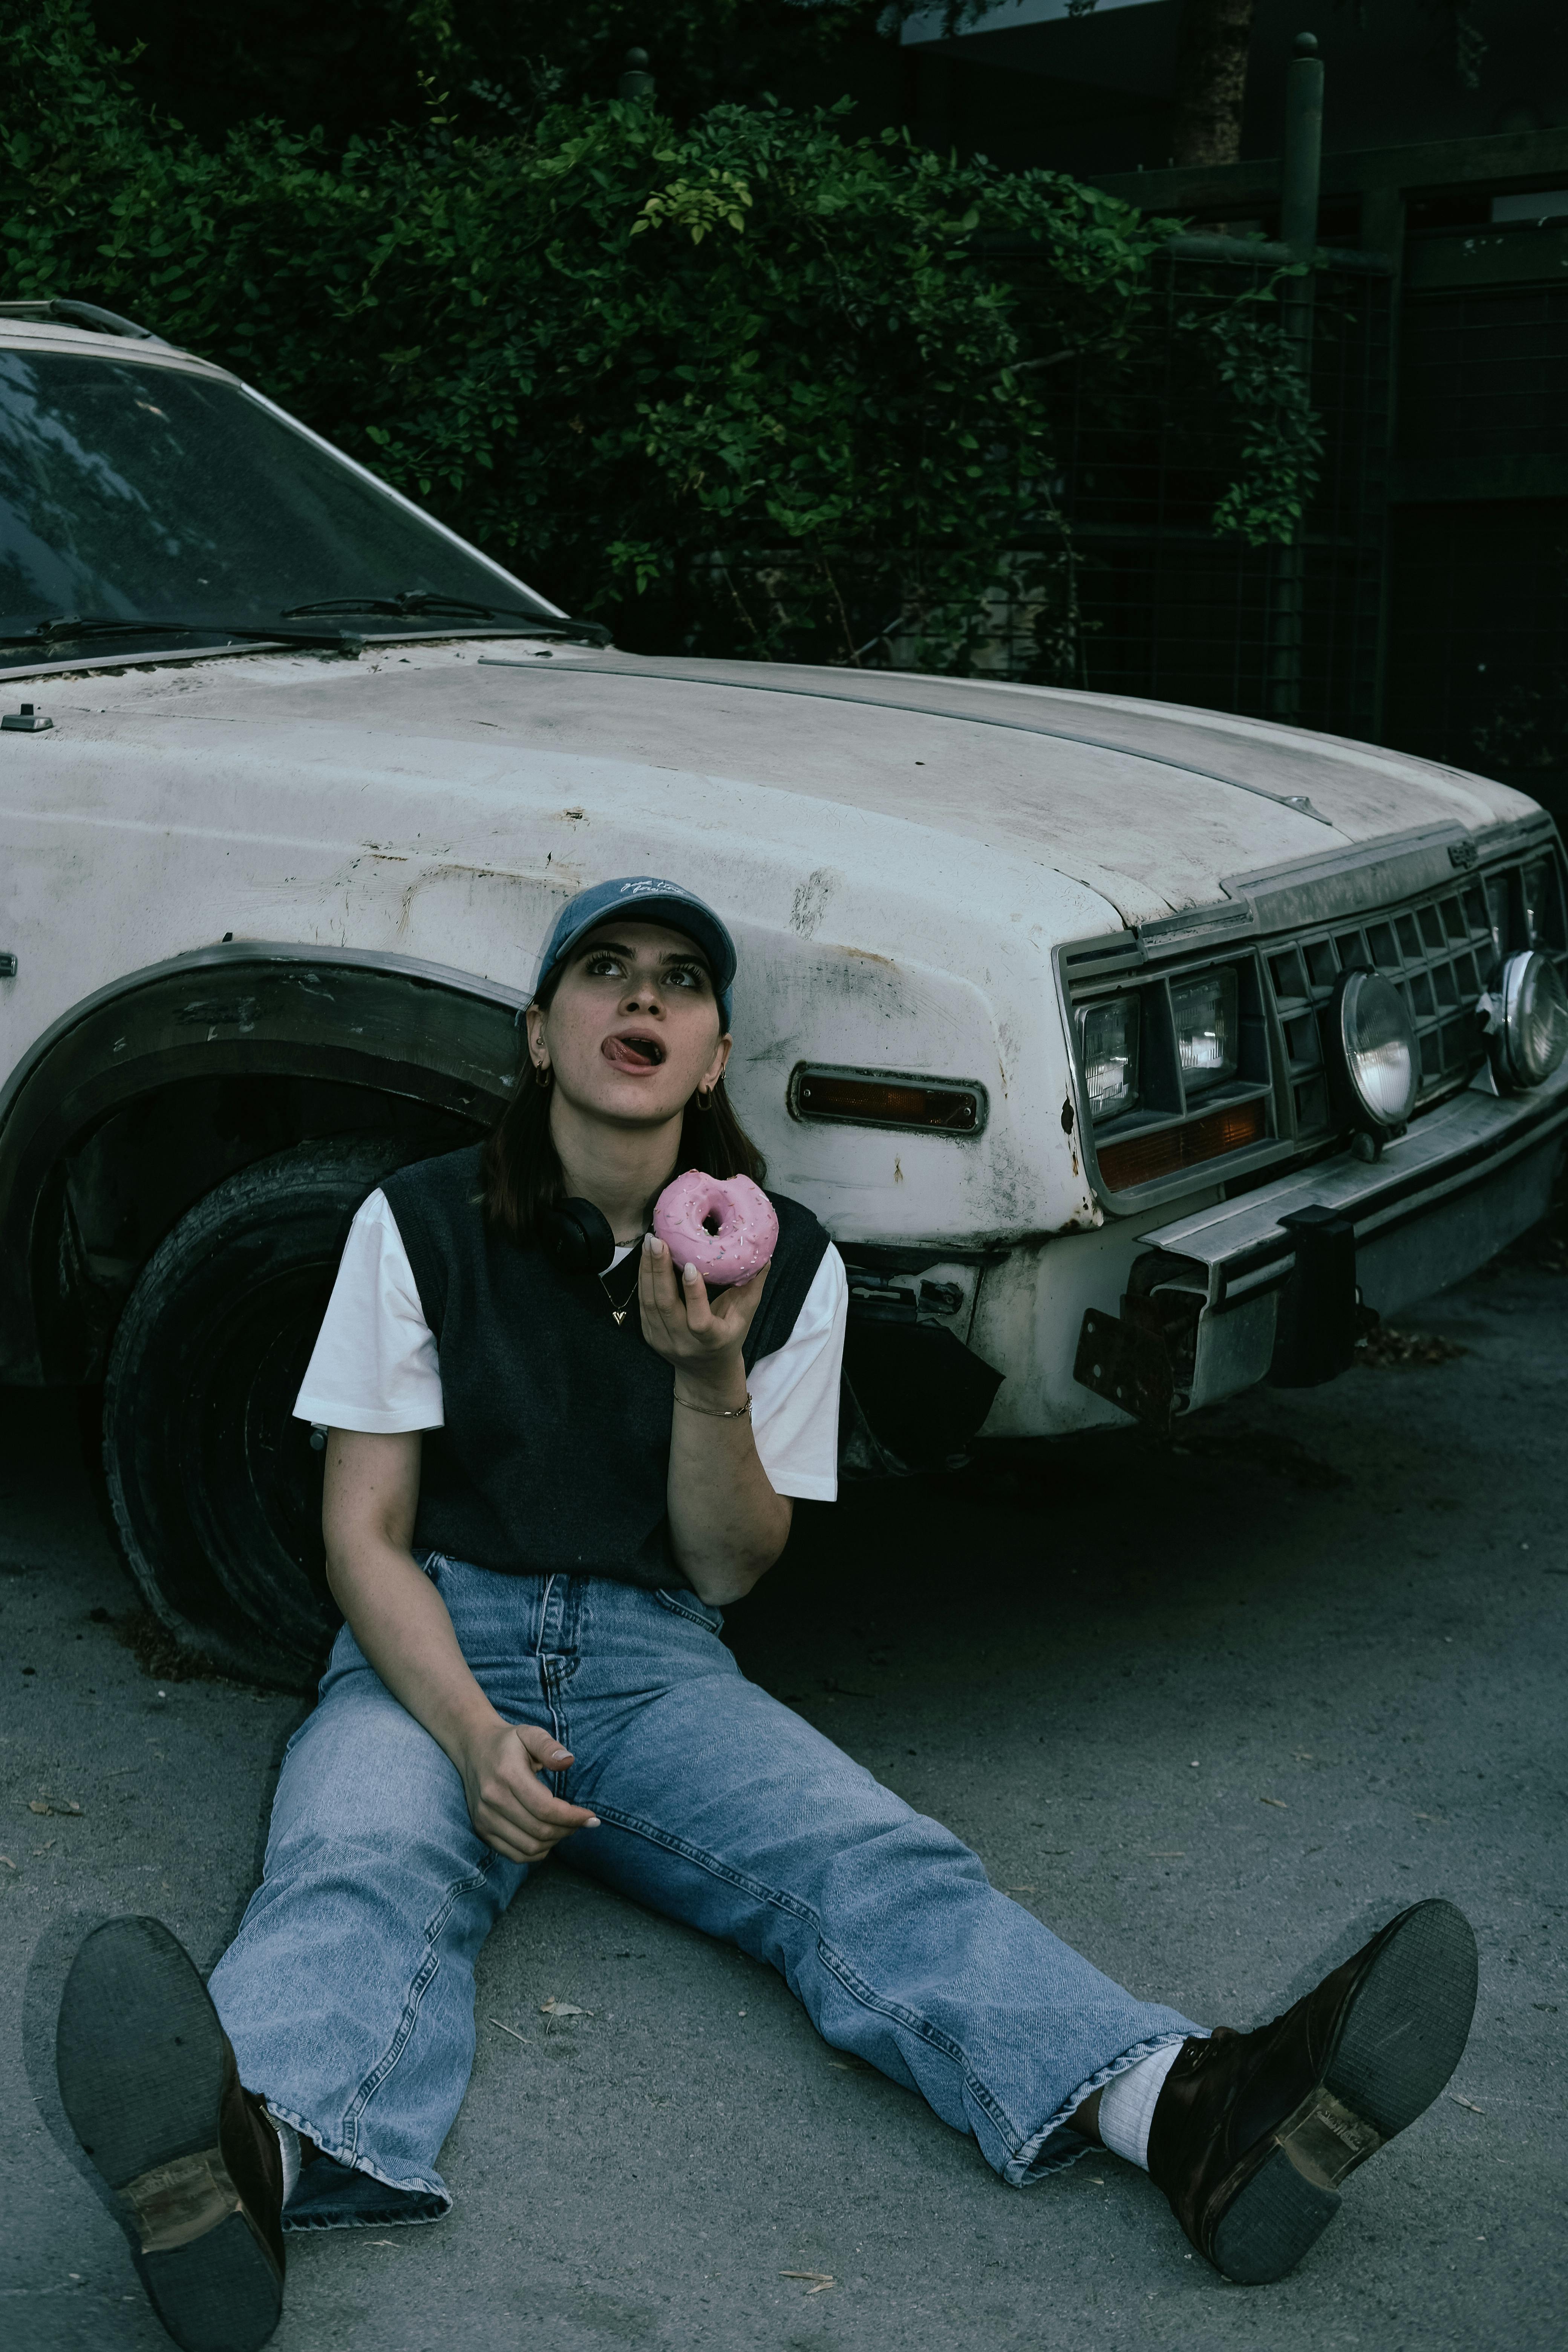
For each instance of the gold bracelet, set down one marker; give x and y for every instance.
(720, 1411)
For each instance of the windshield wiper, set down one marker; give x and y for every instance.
(423, 604)
(69, 628)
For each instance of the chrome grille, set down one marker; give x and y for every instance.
(1440, 951)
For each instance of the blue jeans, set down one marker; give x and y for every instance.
(349, 1991)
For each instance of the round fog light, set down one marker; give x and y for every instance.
(1528, 1034)
(1377, 1048)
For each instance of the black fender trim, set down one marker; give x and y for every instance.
(263, 1008)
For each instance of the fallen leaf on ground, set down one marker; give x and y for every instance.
(37, 1805)
(37, 1850)
(821, 2279)
(387, 2242)
(516, 2037)
(553, 2007)
(1466, 2103)
(1275, 1800)
(7, 1860)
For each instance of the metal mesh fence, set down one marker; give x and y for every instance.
(1165, 608)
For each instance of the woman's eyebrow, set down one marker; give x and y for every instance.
(672, 960)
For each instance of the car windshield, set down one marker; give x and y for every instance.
(130, 491)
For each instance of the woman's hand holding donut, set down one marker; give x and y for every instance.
(700, 1335)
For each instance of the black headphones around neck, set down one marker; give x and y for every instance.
(577, 1238)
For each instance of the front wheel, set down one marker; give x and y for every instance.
(214, 1489)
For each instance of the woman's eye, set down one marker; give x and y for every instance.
(686, 976)
(603, 966)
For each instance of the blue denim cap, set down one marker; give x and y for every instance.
(644, 899)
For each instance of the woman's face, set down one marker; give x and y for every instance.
(634, 1028)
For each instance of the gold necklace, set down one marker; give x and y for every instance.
(624, 1308)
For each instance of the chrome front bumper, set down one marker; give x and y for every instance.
(1266, 1285)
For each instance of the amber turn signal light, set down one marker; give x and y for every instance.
(1144, 1158)
(862, 1098)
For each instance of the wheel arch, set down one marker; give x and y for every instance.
(108, 1127)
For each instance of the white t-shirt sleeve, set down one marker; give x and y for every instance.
(794, 1392)
(374, 1366)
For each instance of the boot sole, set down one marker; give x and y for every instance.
(1401, 2034)
(142, 2062)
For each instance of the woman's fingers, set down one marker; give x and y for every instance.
(658, 1293)
(732, 1315)
(510, 1806)
(681, 1318)
(699, 1312)
(511, 1843)
(544, 1750)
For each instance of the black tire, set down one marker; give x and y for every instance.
(215, 1490)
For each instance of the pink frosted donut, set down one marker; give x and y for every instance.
(725, 1227)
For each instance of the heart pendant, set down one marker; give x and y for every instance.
(619, 1313)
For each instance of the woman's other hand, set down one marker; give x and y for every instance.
(401, 1622)
(508, 1803)
(701, 1336)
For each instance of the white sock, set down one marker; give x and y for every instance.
(1127, 2105)
(288, 2141)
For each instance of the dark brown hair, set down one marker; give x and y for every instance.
(520, 1168)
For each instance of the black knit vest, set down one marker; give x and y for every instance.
(555, 1455)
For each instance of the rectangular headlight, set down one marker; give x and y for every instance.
(1108, 1037)
(1206, 1028)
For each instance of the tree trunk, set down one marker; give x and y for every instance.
(1210, 80)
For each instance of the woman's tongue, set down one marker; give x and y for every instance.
(640, 1054)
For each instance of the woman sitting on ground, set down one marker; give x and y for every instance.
(551, 1462)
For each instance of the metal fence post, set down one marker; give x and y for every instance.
(1300, 171)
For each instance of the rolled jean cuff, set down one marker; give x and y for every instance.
(339, 2192)
(1056, 2145)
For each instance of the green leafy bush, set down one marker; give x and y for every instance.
(757, 386)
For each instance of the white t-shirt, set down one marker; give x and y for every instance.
(376, 1365)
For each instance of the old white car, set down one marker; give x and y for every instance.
(1132, 1053)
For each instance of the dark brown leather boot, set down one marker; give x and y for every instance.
(149, 2081)
(1253, 2133)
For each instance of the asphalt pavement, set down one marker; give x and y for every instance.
(1205, 1708)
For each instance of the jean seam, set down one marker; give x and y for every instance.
(679, 1609)
(560, 1725)
(423, 1975)
(853, 1983)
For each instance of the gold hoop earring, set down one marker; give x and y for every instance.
(542, 1076)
